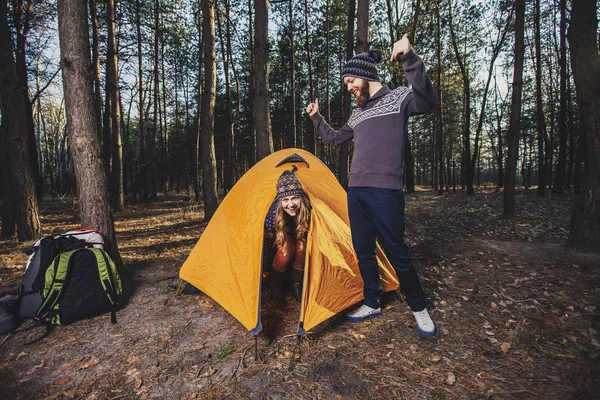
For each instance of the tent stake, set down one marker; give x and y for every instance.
(296, 347)
(255, 348)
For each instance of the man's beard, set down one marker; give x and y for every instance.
(363, 95)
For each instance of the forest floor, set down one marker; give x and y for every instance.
(518, 315)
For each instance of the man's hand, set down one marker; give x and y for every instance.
(402, 46)
(313, 108)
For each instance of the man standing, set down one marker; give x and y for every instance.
(375, 197)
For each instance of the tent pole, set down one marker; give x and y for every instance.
(296, 347)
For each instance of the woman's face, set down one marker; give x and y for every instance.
(290, 205)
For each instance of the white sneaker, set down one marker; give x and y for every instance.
(363, 312)
(425, 325)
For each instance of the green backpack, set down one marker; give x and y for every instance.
(80, 284)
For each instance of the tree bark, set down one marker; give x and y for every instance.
(20, 198)
(561, 167)
(468, 166)
(228, 154)
(310, 127)
(539, 105)
(293, 77)
(262, 123)
(346, 105)
(209, 165)
(112, 82)
(142, 176)
(515, 111)
(81, 122)
(21, 21)
(585, 61)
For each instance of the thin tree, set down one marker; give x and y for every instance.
(142, 183)
(229, 134)
(260, 68)
(112, 93)
(78, 87)
(561, 167)
(539, 105)
(20, 198)
(312, 135)
(292, 76)
(346, 104)
(22, 15)
(515, 110)
(585, 61)
(209, 164)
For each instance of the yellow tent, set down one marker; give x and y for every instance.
(226, 262)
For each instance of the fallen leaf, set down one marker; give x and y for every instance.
(330, 347)
(505, 347)
(451, 378)
(92, 396)
(445, 331)
(489, 333)
(68, 365)
(209, 372)
(199, 346)
(206, 304)
(88, 364)
(138, 382)
(34, 368)
(134, 359)
(487, 325)
(493, 305)
(414, 347)
(364, 330)
(62, 381)
(436, 358)
(358, 335)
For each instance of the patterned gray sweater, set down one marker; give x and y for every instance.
(379, 128)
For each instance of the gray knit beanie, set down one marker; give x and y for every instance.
(363, 65)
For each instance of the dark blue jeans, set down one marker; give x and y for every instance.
(378, 214)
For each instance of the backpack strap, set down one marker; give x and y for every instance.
(53, 290)
(106, 266)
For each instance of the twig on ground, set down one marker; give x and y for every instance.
(517, 392)
(5, 339)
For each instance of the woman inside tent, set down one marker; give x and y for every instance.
(286, 230)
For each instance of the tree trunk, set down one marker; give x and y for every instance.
(311, 87)
(561, 167)
(20, 200)
(346, 105)
(156, 103)
(142, 184)
(539, 105)
(112, 79)
(209, 165)
(467, 164)
(96, 65)
(264, 137)
(585, 61)
(81, 121)
(293, 78)
(196, 145)
(21, 21)
(515, 111)
(439, 120)
(228, 154)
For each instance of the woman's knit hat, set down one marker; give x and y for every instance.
(288, 185)
(363, 65)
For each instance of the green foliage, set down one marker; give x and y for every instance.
(224, 352)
